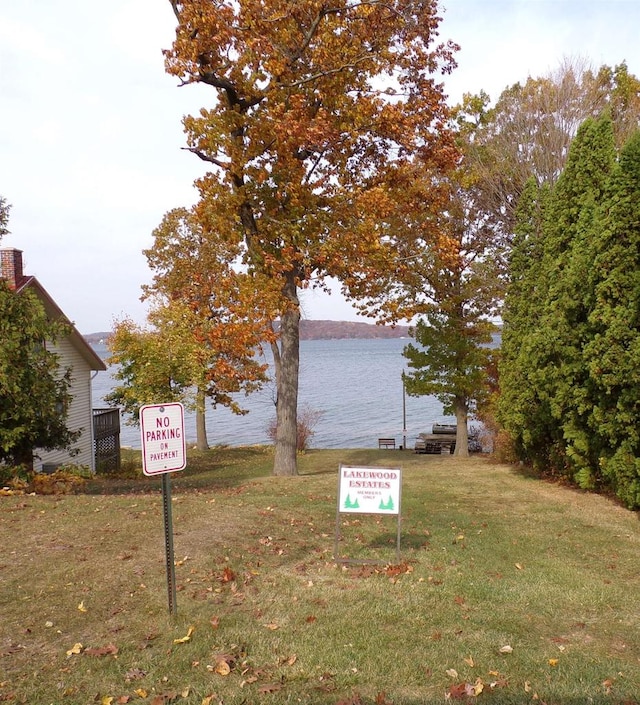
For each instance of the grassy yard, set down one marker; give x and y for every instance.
(508, 590)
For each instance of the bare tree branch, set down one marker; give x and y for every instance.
(206, 158)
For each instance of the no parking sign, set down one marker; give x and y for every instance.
(163, 441)
(164, 450)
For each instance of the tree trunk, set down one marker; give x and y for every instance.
(201, 423)
(462, 430)
(23, 457)
(287, 363)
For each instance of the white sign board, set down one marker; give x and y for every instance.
(369, 490)
(163, 441)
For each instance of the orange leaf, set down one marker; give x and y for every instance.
(108, 650)
(228, 575)
(222, 668)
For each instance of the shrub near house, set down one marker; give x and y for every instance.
(45, 391)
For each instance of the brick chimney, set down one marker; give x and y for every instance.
(11, 266)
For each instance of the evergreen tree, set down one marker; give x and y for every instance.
(522, 411)
(557, 342)
(545, 383)
(612, 355)
(450, 364)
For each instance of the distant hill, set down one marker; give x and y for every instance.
(96, 338)
(328, 330)
(316, 330)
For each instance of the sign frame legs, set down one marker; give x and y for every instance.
(355, 561)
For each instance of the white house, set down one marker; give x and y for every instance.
(75, 353)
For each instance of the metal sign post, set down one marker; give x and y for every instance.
(168, 543)
(163, 452)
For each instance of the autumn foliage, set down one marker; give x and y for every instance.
(321, 116)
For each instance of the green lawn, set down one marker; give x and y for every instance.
(508, 589)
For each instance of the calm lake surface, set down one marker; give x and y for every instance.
(356, 384)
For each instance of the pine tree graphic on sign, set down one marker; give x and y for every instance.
(348, 504)
(388, 506)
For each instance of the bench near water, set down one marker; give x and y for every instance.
(387, 443)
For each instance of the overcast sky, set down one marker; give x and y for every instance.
(90, 125)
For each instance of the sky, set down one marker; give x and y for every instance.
(91, 132)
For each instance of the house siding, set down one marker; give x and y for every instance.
(79, 413)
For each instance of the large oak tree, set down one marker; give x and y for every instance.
(320, 114)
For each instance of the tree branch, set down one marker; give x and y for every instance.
(320, 74)
(206, 158)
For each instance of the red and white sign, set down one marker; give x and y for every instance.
(369, 490)
(163, 443)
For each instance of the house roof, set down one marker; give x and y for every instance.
(90, 356)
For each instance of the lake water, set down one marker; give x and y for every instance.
(356, 384)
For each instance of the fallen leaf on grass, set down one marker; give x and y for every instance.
(75, 649)
(456, 691)
(81, 607)
(519, 566)
(502, 682)
(506, 649)
(215, 622)
(108, 650)
(465, 690)
(393, 570)
(140, 692)
(134, 674)
(553, 662)
(273, 626)
(469, 661)
(222, 668)
(451, 672)
(223, 664)
(185, 639)
(228, 576)
(269, 688)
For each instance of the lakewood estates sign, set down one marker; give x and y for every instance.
(162, 435)
(369, 490)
